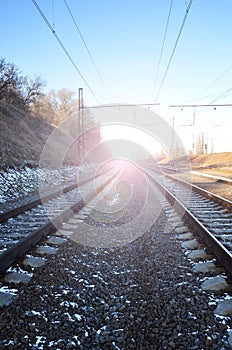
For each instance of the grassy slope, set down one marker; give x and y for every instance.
(214, 160)
(22, 138)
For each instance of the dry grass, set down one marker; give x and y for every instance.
(213, 163)
(22, 138)
(213, 160)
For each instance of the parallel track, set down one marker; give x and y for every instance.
(209, 215)
(216, 178)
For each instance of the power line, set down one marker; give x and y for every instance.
(203, 97)
(211, 104)
(124, 105)
(84, 42)
(215, 81)
(63, 47)
(218, 98)
(174, 48)
(204, 105)
(162, 48)
(221, 96)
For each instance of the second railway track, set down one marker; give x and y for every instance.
(209, 214)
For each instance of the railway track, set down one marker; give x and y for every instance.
(209, 215)
(105, 297)
(24, 226)
(216, 178)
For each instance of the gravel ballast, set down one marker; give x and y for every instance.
(143, 295)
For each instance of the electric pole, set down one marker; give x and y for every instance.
(173, 140)
(194, 106)
(81, 146)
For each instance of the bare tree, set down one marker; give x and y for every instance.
(43, 108)
(200, 144)
(10, 82)
(66, 103)
(32, 90)
(56, 106)
(16, 89)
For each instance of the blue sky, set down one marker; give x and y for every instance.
(125, 39)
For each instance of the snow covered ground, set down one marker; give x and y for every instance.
(17, 182)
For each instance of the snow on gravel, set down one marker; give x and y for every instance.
(18, 182)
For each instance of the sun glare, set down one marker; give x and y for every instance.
(129, 141)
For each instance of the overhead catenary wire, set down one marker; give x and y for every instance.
(162, 47)
(204, 106)
(216, 99)
(86, 46)
(214, 82)
(174, 49)
(64, 49)
(118, 105)
(203, 97)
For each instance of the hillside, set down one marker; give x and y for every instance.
(23, 138)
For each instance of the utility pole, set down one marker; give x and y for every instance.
(193, 122)
(193, 126)
(81, 140)
(173, 140)
(194, 106)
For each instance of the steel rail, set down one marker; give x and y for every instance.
(33, 203)
(8, 257)
(210, 176)
(222, 254)
(213, 197)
